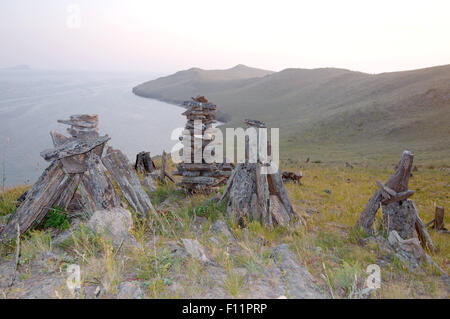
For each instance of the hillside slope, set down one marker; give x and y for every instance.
(332, 113)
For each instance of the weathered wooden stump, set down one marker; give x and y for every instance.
(253, 195)
(401, 217)
(437, 223)
(128, 182)
(163, 174)
(399, 212)
(144, 163)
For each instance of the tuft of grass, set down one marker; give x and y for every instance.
(166, 191)
(345, 278)
(234, 280)
(8, 199)
(36, 241)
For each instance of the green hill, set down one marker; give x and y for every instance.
(328, 114)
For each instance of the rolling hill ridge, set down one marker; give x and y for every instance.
(327, 112)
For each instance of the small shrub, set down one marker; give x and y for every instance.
(57, 218)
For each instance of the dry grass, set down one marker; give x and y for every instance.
(328, 247)
(330, 240)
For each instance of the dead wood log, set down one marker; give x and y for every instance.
(203, 180)
(98, 186)
(128, 182)
(276, 187)
(74, 147)
(368, 215)
(263, 198)
(241, 204)
(398, 197)
(163, 173)
(228, 186)
(422, 233)
(53, 187)
(144, 163)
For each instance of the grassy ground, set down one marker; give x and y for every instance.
(336, 255)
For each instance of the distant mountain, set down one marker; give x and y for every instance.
(21, 67)
(342, 111)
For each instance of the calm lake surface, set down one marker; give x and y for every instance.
(32, 101)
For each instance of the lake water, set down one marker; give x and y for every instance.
(32, 101)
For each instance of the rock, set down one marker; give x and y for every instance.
(177, 251)
(46, 288)
(299, 282)
(408, 250)
(115, 223)
(149, 183)
(194, 249)
(175, 288)
(214, 240)
(221, 228)
(92, 292)
(129, 290)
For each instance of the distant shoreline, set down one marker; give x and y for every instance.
(220, 116)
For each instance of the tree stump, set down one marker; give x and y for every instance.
(401, 217)
(144, 163)
(163, 173)
(253, 195)
(439, 218)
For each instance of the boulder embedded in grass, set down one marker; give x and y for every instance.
(115, 223)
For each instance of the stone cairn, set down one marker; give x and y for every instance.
(201, 176)
(254, 195)
(82, 174)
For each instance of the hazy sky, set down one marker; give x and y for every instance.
(166, 36)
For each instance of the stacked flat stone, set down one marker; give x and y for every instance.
(82, 125)
(201, 176)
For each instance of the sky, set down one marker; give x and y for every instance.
(167, 36)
